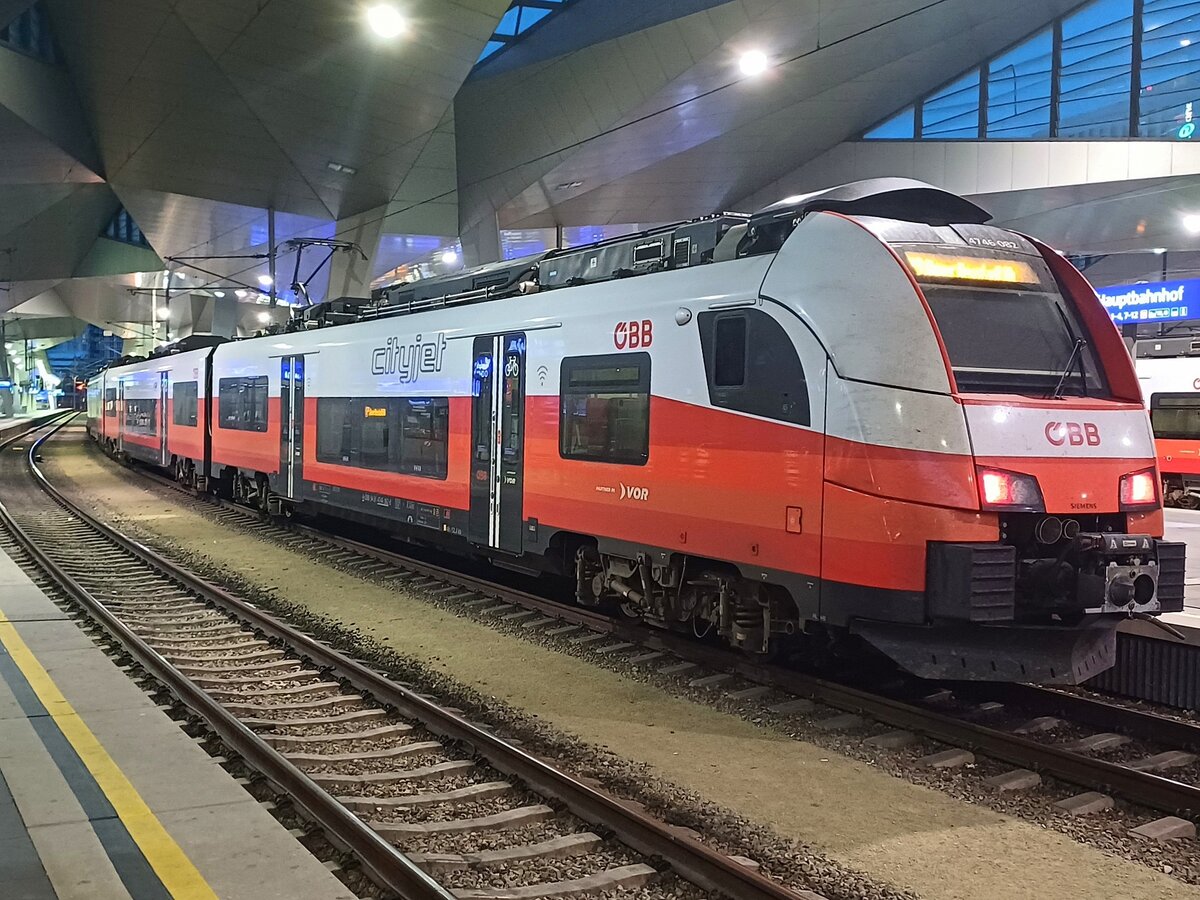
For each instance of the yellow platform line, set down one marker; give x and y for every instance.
(175, 870)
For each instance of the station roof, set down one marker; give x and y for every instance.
(148, 129)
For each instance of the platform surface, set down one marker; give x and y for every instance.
(11, 423)
(103, 797)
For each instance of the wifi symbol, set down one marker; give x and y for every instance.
(542, 373)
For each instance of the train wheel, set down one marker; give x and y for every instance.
(1188, 501)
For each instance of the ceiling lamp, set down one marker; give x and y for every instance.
(753, 63)
(385, 20)
(1192, 224)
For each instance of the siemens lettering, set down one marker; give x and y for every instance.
(1165, 301)
(409, 360)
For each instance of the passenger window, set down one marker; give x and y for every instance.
(242, 403)
(729, 354)
(409, 435)
(604, 413)
(184, 402)
(1175, 416)
(110, 402)
(141, 416)
(753, 366)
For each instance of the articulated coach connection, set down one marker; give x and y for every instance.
(858, 415)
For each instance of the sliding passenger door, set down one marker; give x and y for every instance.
(121, 415)
(164, 393)
(497, 442)
(291, 426)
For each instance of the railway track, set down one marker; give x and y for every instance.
(1109, 750)
(430, 804)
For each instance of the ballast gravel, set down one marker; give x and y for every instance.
(925, 842)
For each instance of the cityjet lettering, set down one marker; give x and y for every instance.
(409, 360)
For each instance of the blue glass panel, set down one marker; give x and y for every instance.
(1170, 69)
(508, 24)
(953, 112)
(530, 16)
(489, 48)
(1097, 55)
(121, 227)
(1019, 90)
(900, 127)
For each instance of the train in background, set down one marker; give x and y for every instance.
(1169, 371)
(859, 415)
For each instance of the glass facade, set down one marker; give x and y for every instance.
(1111, 69)
(520, 17)
(1018, 90)
(952, 112)
(121, 227)
(30, 33)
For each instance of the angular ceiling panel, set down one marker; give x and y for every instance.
(644, 140)
(252, 103)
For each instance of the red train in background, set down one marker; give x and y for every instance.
(1169, 371)
(859, 415)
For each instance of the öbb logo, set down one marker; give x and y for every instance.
(632, 335)
(1076, 434)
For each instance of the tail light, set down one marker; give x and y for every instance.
(1000, 489)
(1139, 490)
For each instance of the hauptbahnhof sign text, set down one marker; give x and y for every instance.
(1160, 301)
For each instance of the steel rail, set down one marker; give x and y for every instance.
(1100, 713)
(687, 856)
(383, 862)
(1144, 788)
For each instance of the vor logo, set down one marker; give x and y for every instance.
(629, 492)
(1074, 434)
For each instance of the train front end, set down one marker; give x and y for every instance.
(1013, 426)
(1064, 466)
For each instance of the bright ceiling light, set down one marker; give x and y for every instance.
(264, 317)
(163, 312)
(265, 280)
(1192, 223)
(218, 294)
(450, 257)
(1186, 42)
(753, 62)
(1159, 250)
(241, 295)
(385, 20)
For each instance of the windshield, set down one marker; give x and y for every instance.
(1013, 338)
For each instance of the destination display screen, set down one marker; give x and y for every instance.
(982, 269)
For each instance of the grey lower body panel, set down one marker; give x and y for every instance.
(965, 652)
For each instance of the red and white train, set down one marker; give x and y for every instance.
(861, 412)
(1169, 371)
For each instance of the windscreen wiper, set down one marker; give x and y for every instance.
(1076, 353)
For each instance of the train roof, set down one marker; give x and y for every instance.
(679, 245)
(905, 199)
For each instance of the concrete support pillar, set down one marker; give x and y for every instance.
(7, 390)
(349, 274)
(481, 242)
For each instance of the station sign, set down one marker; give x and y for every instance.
(1158, 301)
